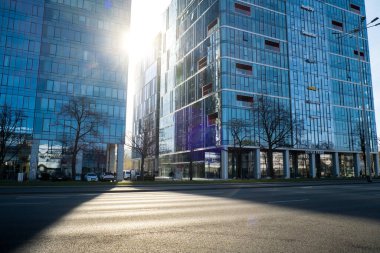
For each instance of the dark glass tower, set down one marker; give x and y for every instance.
(308, 57)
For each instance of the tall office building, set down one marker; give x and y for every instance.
(308, 58)
(146, 108)
(52, 51)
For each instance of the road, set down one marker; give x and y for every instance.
(330, 218)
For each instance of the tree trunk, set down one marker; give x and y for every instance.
(191, 170)
(142, 168)
(1, 170)
(270, 164)
(75, 153)
(233, 164)
(73, 165)
(240, 169)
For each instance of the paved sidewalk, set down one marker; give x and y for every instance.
(8, 190)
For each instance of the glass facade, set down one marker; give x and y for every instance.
(307, 56)
(147, 108)
(54, 50)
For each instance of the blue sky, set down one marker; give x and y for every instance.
(373, 10)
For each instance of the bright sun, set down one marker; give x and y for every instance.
(145, 24)
(138, 42)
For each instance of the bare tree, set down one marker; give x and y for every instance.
(276, 127)
(83, 127)
(11, 134)
(359, 131)
(143, 143)
(240, 140)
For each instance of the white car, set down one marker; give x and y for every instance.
(127, 175)
(107, 176)
(91, 177)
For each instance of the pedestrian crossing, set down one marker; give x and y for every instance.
(121, 212)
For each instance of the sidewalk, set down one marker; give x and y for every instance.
(165, 186)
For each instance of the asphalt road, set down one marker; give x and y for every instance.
(329, 218)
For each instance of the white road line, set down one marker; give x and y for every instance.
(287, 201)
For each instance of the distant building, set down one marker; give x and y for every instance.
(147, 106)
(54, 50)
(219, 58)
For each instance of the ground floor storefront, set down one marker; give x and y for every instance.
(229, 163)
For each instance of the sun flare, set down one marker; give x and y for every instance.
(145, 25)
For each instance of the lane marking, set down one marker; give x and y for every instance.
(287, 201)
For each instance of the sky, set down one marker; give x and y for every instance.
(373, 10)
(145, 23)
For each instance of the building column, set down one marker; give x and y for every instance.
(295, 163)
(336, 171)
(34, 160)
(224, 163)
(313, 169)
(285, 157)
(111, 158)
(357, 164)
(120, 162)
(256, 168)
(79, 165)
(376, 164)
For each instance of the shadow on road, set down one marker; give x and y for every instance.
(24, 214)
(351, 200)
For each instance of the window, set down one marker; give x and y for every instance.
(243, 98)
(311, 60)
(243, 69)
(212, 25)
(202, 63)
(361, 54)
(272, 45)
(308, 34)
(211, 119)
(313, 88)
(206, 89)
(245, 36)
(307, 8)
(337, 25)
(355, 8)
(46, 125)
(243, 9)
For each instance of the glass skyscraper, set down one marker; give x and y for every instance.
(54, 50)
(220, 57)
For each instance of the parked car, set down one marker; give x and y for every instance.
(58, 176)
(91, 177)
(127, 175)
(107, 176)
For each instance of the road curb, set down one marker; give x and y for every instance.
(15, 190)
